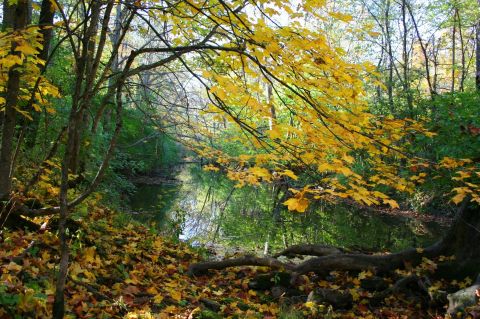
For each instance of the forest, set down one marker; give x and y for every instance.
(240, 159)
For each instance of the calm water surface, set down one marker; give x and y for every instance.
(210, 209)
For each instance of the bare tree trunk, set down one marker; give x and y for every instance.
(68, 163)
(73, 127)
(47, 13)
(15, 17)
(423, 48)
(435, 64)
(87, 78)
(462, 51)
(115, 39)
(477, 54)
(454, 32)
(406, 71)
(390, 57)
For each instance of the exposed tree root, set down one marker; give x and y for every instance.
(308, 249)
(324, 264)
(456, 242)
(381, 263)
(248, 260)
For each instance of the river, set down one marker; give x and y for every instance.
(206, 208)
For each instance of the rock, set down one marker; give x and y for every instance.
(337, 299)
(464, 298)
(211, 304)
(374, 284)
(281, 291)
(267, 281)
(278, 291)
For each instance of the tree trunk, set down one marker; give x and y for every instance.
(115, 38)
(462, 52)
(390, 58)
(454, 32)
(15, 17)
(45, 21)
(477, 54)
(462, 241)
(406, 70)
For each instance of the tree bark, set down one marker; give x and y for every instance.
(406, 69)
(477, 54)
(454, 33)
(390, 58)
(47, 13)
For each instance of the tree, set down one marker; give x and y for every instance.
(15, 18)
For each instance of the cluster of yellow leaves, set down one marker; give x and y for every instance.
(25, 59)
(315, 119)
(467, 174)
(47, 186)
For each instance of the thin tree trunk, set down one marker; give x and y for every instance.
(477, 54)
(435, 65)
(423, 48)
(406, 71)
(47, 13)
(462, 51)
(454, 32)
(390, 58)
(69, 158)
(73, 126)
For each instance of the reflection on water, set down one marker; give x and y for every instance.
(212, 210)
(152, 203)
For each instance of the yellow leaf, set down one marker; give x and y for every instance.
(152, 290)
(459, 197)
(26, 49)
(290, 174)
(89, 254)
(274, 133)
(176, 295)
(364, 274)
(341, 16)
(170, 309)
(310, 304)
(14, 267)
(158, 299)
(349, 159)
(260, 172)
(391, 202)
(297, 204)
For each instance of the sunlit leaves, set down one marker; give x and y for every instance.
(287, 93)
(25, 58)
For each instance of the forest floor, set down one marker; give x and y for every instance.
(125, 270)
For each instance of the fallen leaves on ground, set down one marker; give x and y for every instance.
(119, 271)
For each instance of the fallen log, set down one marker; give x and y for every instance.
(324, 264)
(248, 260)
(310, 250)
